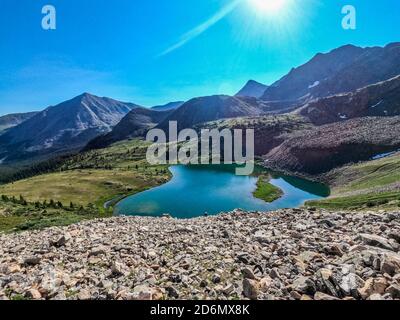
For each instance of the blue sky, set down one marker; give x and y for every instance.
(153, 52)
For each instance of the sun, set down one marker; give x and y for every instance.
(269, 7)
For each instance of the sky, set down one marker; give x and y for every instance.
(153, 52)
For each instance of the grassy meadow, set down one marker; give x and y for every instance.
(83, 183)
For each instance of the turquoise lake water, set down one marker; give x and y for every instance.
(199, 190)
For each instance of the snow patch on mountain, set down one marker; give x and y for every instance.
(315, 84)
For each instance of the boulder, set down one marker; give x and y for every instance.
(390, 264)
(376, 241)
(31, 260)
(251, 289)
(304, 285)
(373, 286)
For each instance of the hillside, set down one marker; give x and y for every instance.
(169, 106)
(319, 150)
(135, 124)
(368, 184)
(87, 179)
(342, 70)
(380, 99)
(63, 128)
(269, 131)
(206, 109)
(12, 120)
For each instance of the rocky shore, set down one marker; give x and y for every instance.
(287, 255)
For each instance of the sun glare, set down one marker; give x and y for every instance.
(269, 7)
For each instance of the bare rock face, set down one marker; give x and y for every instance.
(292, 254)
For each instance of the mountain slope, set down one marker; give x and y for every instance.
(135, 124)
(168, 106)
(12, 120)
(62, 128)
(344, 69)
(380, 99)
(252, 89)
(206, 109)
(324, 148)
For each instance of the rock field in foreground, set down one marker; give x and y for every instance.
(287, 254)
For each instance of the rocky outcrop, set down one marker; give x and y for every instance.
(321, 149)
(286, 255)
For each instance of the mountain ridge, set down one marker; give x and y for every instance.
(13, 119)
(168, 106)
(343, 69)
(64, 127)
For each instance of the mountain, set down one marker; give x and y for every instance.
(62, 128)
(321, 149)
(345, 69)
(12, 120)
(380, 99)
(206, 109)
(252, 89)
(168, 106)
(135, 124)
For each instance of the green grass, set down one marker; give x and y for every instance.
(87, 180)
(93, 177)
(367, 175)
(385, 200)
(364, 185)
(19, 217)
(266, 191)
(78, 186)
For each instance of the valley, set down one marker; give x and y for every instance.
(326, 121)
(83, 215)
(83, 181)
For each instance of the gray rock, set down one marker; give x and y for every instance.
(31, 261)
(251, 289)
(376, 241)
(394, 291)
(172, 292)
(248, 274)
(304, 285)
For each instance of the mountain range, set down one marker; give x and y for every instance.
(62, 128)
(345, 69)
(341, 86)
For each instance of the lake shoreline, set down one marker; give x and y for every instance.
(209, 190)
